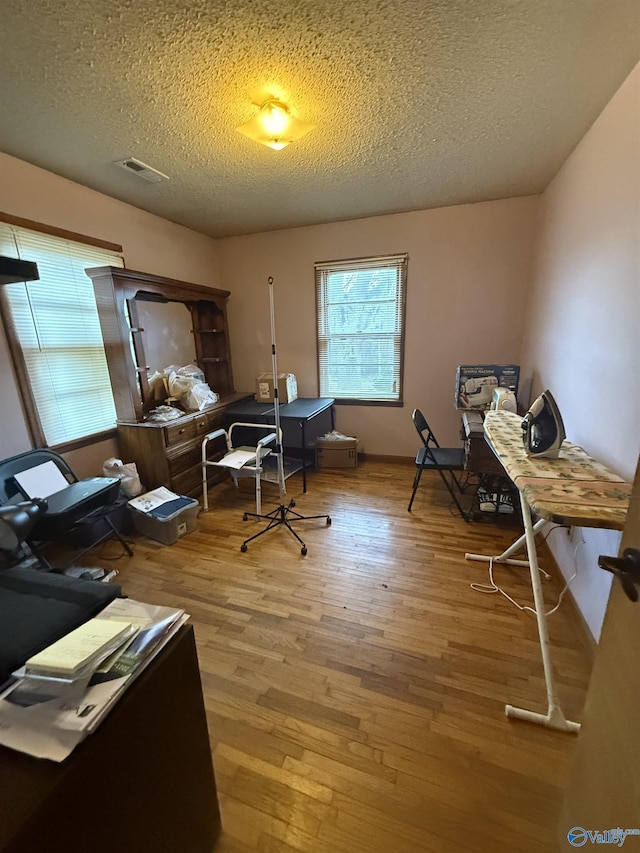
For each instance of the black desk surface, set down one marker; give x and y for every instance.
(301, 409)
(248, 409)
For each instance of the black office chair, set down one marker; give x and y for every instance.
(445, 460)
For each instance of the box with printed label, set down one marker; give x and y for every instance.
(342, 453)
(287, 388)
(475, 384)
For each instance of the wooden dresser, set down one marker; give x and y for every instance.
(166, 454)
(170, 454)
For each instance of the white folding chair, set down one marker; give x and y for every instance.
(241, 461)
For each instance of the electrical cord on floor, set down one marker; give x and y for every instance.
(119, 556)
(492, 587)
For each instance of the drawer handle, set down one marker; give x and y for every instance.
(181, 430)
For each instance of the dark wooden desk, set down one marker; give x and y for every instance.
(142, 781)
(301, 421)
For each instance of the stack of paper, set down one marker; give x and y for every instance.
(80, 649)
(238, 459)
(160, 503)
(53, 727)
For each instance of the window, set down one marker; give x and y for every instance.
(360, 311)
(54, 333)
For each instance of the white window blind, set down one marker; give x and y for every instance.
(56, 324)
(360, 311)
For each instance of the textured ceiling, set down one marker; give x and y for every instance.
(417, 103)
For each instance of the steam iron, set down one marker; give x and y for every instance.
(542, 427)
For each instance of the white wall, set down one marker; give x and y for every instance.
(150, 244)
(582, 339)
(469, 270)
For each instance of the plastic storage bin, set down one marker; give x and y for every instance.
(167, 530)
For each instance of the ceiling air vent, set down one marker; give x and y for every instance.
(142, 170)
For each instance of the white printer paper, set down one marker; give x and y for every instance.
(41, 480)
(154, 499)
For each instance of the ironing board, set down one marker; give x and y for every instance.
(573, 489)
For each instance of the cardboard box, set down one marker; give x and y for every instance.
(475, 384)
(337, 453)
(167, 530)
(287, 388)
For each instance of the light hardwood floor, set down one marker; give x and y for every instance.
(355, 696)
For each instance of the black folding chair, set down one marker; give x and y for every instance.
(445, 460)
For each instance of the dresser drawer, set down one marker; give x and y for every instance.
(201, 424)
(179, 432)
(188, 482)
(183, 457)
(215, 420)
(185, 467)
(185, 460)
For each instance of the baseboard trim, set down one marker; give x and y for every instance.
(586, 637)
(376, 457)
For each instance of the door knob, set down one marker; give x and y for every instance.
(626, 569)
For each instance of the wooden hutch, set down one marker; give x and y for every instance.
(166, 454)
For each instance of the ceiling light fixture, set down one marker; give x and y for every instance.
(274, 126)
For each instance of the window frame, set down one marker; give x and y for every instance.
(20, 371)
(401, 261)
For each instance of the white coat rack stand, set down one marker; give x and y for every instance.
(283, 515)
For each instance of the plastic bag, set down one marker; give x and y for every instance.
(180, 385)
(199, 397)
(162, 414)
(334, 435)
(191, 370)
(193, 394)
(126, 473)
